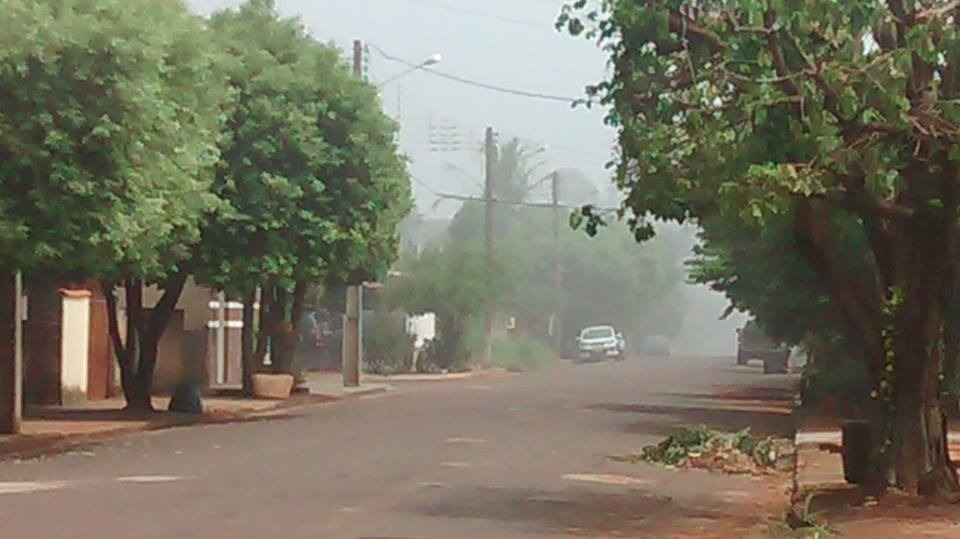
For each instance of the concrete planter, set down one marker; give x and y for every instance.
(272, 386)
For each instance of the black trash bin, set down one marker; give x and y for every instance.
(187, 399)
(857, 438)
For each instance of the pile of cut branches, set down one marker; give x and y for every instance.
(728, 452)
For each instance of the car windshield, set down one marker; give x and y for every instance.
(597, 333)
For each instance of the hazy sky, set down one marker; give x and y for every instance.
(508, 43)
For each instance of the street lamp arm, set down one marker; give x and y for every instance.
(433, 60)
(397, 76)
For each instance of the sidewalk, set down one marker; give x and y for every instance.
(819, 464)
(845, 508)
(331, 384)
(50, 429)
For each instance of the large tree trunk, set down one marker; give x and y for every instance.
(264, 322)
(137, 390)
(920, 460)
(284, 330)
(951, 354)
(128, 368)
(299, 303)
(137, 353)
(248, 357)
(150, 332)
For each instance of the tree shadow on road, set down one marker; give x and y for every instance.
(582, 512)
(773, 396)
(663, 419)
(33, 446)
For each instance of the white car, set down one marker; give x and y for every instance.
(597, 343)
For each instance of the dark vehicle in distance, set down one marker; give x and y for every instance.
(754, 343)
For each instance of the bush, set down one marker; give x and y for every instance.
(521, 355)
(387, 347)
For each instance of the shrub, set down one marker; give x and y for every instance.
(521, 355)
(387, 347)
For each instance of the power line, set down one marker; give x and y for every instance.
(484, 14)
(424, 185)
(484, 85)
(470, 198)
(467, 198)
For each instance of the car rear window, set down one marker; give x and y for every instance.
(597, 333)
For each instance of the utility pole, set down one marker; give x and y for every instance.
(558, 268)
(11, 355)
(490, 153)
(358, 58)
(351, 336)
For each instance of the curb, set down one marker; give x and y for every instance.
(438, 377)
(370, 389)
(31, 446)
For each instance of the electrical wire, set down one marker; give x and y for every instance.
(466, 198)
(484, 14)
(424, 185)
(484, 85)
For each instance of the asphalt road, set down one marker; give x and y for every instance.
(493, 456)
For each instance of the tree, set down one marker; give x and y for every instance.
(836, 114)
(312, 178)
(109, 113)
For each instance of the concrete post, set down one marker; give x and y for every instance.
(11, 356)
(351, 338)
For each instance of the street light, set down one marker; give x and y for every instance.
(431, 61)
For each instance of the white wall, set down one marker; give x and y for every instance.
(75, 346)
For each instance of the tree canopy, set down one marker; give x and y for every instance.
(314, 183)
(109, 118)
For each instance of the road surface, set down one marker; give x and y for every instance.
(493, 456)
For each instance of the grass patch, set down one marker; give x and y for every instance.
(522, 355)
(801, 523)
